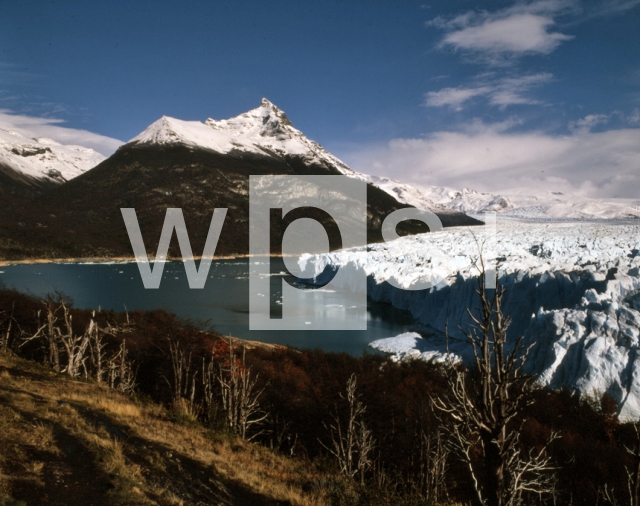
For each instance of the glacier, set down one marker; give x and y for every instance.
(572, 288)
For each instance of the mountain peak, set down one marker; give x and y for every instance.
(265, 130)
(268, 120)
(43, 159)
(275, 114)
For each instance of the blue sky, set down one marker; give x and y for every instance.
(494, 95)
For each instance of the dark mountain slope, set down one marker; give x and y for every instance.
(82, 217)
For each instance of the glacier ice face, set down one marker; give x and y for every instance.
(573, 289)
(592, 347)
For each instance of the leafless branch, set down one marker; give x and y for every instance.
(483, 403)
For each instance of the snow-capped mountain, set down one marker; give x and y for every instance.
(405, 193)
(43, 161)
(196, 166)
(264, 131)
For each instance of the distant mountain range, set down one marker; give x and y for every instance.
(188, 164)
(542, 206)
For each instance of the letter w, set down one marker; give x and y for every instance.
(173, 219)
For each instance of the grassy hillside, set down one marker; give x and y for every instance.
(69, 442)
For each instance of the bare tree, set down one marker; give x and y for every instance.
(75, 345)
(184, 380)
(240, 398)
(633, 474)
(5, 335)
(97, 345)
(351, 441)
(209, 389)
(483, 407)
(606, 496)
(431, 467)
(281, 435)
(48, 330)
(68, 352)
(119, 371)
(62, 341)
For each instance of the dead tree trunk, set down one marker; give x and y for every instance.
(209, 389)
(74, 345)
(5, 335)
(120, 373)
(633, 474)
(183, 385)
(97, 345)
(181, 366)
(63, 341)
(351, 441)
(483, 408)
(433, 456)
(54, 352)
(240, 399)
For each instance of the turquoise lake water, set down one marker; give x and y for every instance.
(223, 304)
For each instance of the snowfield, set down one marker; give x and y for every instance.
(520, 203)
(573, 288)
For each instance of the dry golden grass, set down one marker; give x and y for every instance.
(134, 448)
(41, 436)
(33, 467)
(110, 404)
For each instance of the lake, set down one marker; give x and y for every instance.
(222, 305)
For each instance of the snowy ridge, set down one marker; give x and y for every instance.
(44, 159)
(518, 203)
(572, 288)
(404, 193)
(265, 130)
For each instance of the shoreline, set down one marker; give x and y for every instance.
(251, 344)
(98, 260)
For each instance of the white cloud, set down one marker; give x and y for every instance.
(585, 124)
(517, 34)
(487, 158)
(454, 97)
(10, 74)
(524, 28)
(500, 92)
(510, 91)
(610, 7)
(32, 126)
